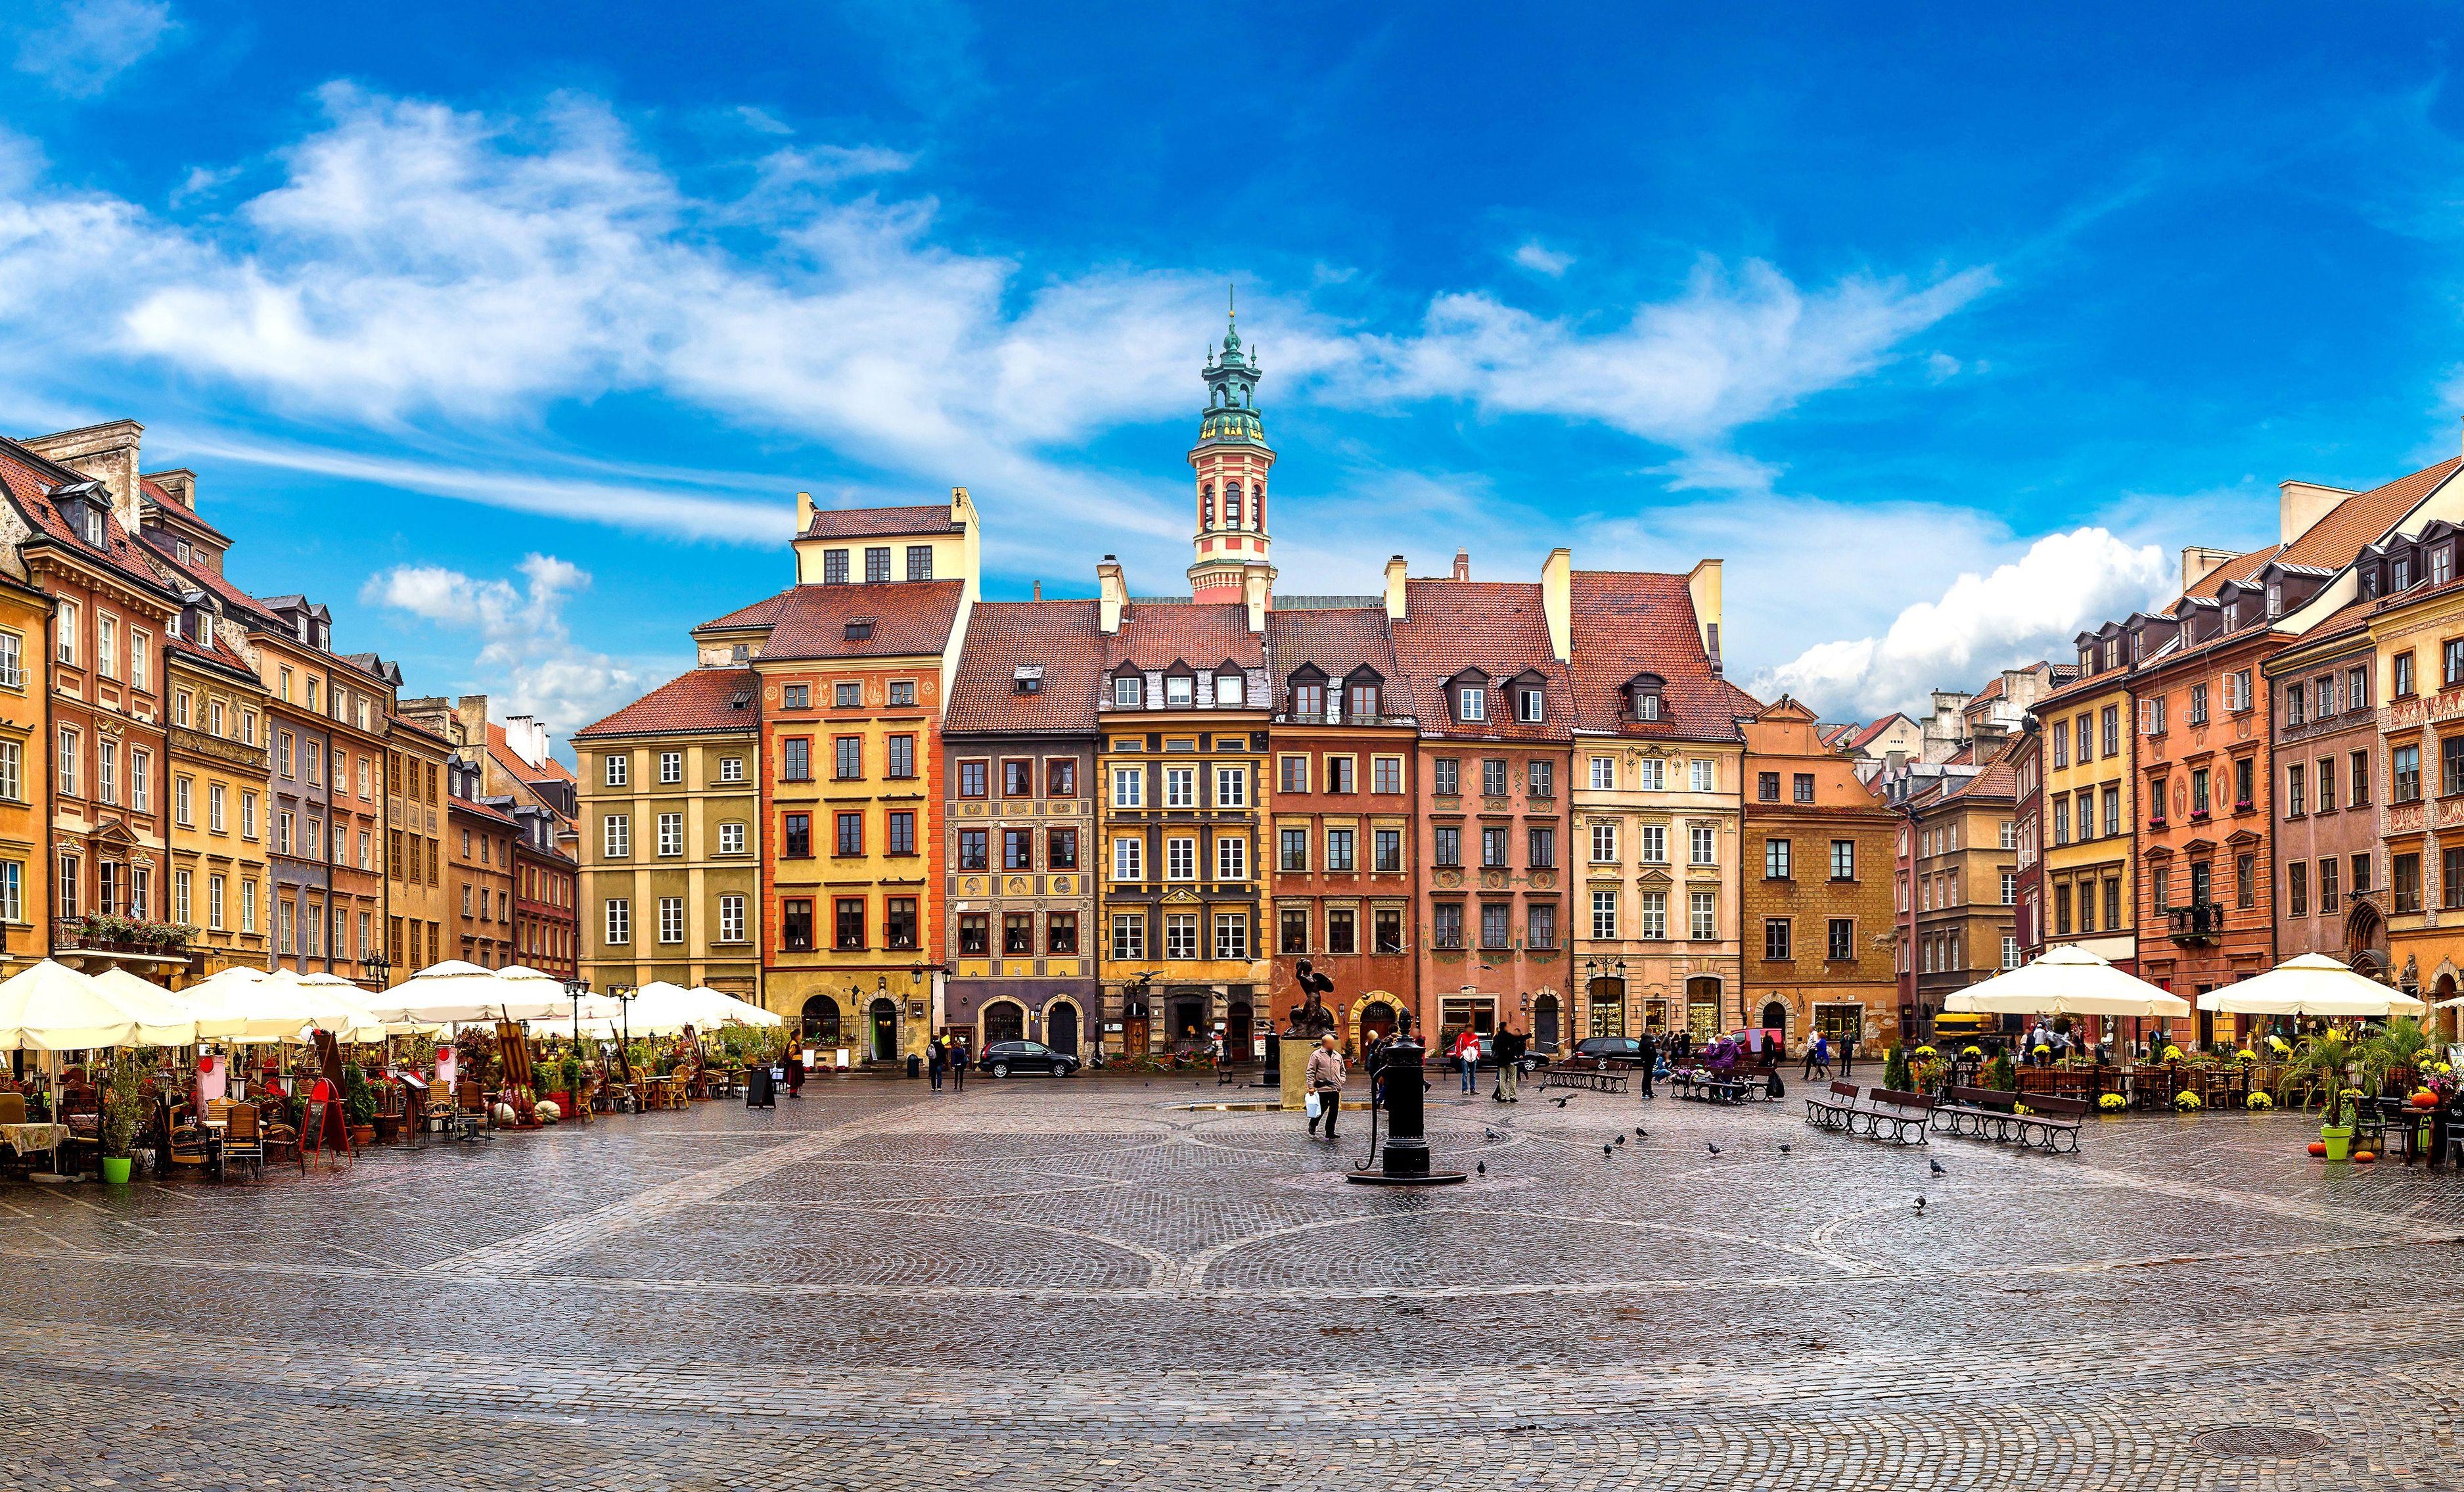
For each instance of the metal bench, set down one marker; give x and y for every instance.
(2051, 1125)
(1980, 1113)
(1829, 1110)
(1906, 1116)
(1590, 1080)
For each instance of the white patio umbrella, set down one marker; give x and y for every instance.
(725, 1007)
(272, 1009)
(53, 1008)
(2067, 981)
(164, 1018)
(210, 999)
(457, 992)
(2312, 984)
(337, 1007)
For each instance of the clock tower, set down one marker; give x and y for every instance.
(1230, 460)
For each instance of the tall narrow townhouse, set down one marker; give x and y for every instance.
(1184, 716)
(417, 898)
(684, 760)
(1819, 929)
(292, 662)
(2206, 750)
(1486, 664)
(478, 867)
(2089, 806)
(71, 520)
(1017, 799)
(1657, 751)
(1346, 760)
(854, 666)
(25, 774)
(2327, 804)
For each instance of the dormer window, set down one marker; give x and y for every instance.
(2369, 583)
(1126, 690)
(2112, 652)
(1530, 705)
(1471, 701)
(1309, 700)
(2401, 578)
(1179, 692)
(2442, 564)
(1364, 703)
(860, 629)
(2274, 598)
(1643, 697)
(1027, 679)
(94, 529)
(1229, 689)
(1646, 707)
(2087, 658)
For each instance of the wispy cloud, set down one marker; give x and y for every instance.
(527, 653)
(79, 47)
(1541, 259)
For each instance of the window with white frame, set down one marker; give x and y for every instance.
(1471, 703)
(1231, 935)
(1180, 935)
(731, 839)
(1650, 775)
(1231, 859)
(1180, 859)
(1653, 841)
(672, 833)
(1651, 915)
(1129, 859)
(672, 919)
(1705, 776)
(1604, 914)
(616, 835)
(1705, 840)
(1704, 916)
(1603, 773)
(672, 766)
(1604, 844)
(731, 918)
(1128, 786)
(617, 767)
(1231, 787)
(620, 920)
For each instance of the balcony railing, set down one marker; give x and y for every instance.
(121, 935)
(2197, 925)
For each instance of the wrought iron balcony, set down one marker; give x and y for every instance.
(2197, 925)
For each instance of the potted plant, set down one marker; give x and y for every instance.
(359, 1103)
(125, 1106)
(2336, 1133)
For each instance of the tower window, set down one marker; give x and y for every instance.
(1206, 507)
(1232, 505)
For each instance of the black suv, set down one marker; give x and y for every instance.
(1005, 1057)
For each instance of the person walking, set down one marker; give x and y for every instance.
(1325, 1078)
(1647, 1059)
(795, 1072)
(1510, 1045)
(1467, 1053)
(958, 1063)
(1818, 1054)
(935, 1058)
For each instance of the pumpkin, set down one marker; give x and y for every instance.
(2366, 1157)
(2318, 1146)
(2425, 1099)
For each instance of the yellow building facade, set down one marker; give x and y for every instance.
(25, 771)
(2090, 804)
(218, 773)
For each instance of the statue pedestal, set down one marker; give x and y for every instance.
(1295, 1064)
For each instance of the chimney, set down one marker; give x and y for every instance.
(2198, 564)
(107, 453)
(1462, 565)
(527, 739)
(1253, 591)
(803, 512)
(1557, 602)
(180, 483)
(472, 711)
(2303, 505)
(1702, 589)
(1112, 594)
(1039, 590)
(1395, 589)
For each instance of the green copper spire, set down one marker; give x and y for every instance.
(1231, 414)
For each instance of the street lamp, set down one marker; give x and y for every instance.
(374, 968)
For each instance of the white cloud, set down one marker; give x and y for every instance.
(762, 121)
(1540, 259)
(1732, 349)
(527, 652)
(2027, 608)
(79, 46)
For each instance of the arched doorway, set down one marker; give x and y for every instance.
(1187, 1011)
(1607, 1006)
(1544, 1023)
(1776, 1018)
(1702, 1005)
(1004, 1020)
(1240, 1041)
(885, 1029)
(2444, 1022)
(1061, 1027)
(1377, 1022)
(821, 1020)
(2366, 939)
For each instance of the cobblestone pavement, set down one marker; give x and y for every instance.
(1081, 1283)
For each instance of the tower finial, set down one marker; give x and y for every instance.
(1231, 309)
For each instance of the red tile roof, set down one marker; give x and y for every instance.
(1154, 636)
(2000, 778)
(2365, 518)
(501, 748)
(908, 618)
(690, 704)
(30, 479)
(1874, 730)
(188, 516)
(1495, 626)
(1063, 639)
(761, 613)
(1336, 641)
(1629, 622)
(881, 523)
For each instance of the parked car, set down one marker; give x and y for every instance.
(1604, 1052)
(1005, 1057)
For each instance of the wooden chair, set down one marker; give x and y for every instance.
(189, 1143)
(242, 1142)
(279, 1139)
(12, 1108)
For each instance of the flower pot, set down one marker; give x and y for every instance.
(2339, 1141)
(114, 1169)
(363, 1136)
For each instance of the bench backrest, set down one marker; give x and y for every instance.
(1898, 1100)
(1843, 1090)
(1987, 1098)
(2052, 1107)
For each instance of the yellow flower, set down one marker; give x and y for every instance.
(2172, 1054)
(2261, 1100)
(1924, 1051)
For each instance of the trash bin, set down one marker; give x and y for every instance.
(915, 1065)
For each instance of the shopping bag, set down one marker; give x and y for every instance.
(1312, 1105)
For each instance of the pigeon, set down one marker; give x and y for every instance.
(1785, 1148)
(1936, 1167)
(1562, 1102)
(1640, 1133)
(1607, 1150)
(1620, 1139)
(1482, 1166)
(1492, 1133)
(1708, 1146)
(1921, 1206)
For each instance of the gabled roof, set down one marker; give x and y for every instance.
(908, 618)
(761, 613)
(705, 699)
(1629, 622)
(1866, 735)
(1338, 641)
(31, 481)
(501, 748)
(1495, 626)
(1202, 634)
(880, 522)
(1063, 639)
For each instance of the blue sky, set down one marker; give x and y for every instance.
(511, 332)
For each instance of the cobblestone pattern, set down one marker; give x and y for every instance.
(1071, 1284)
